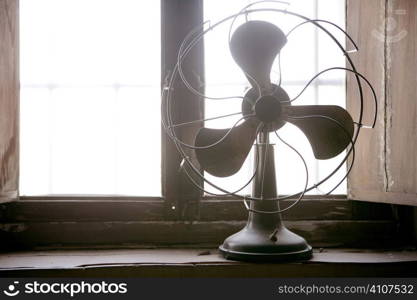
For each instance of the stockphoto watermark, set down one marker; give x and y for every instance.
(68, 288)
(389, 31)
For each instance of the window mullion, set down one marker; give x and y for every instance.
(178, 19)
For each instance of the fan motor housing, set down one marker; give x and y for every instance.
(269, 109)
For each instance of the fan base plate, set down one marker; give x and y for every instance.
(251, 244)
(267, 257)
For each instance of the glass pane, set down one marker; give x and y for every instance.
(307, 52)
(90, 97)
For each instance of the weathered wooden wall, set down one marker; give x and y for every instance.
(401, 100)
(386, 163)
(9, 100)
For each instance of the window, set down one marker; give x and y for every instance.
(307, 52)
(140, 220)
(90, 94)
(90, 97)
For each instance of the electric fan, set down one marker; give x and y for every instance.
(266, 107)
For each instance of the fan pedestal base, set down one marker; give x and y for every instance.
(265, 238)
(253, 245)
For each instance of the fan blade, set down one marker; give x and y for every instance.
(227, 157)
(254, 46)
(326, 137)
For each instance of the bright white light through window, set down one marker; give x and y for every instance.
(307, 52)
(90, 97)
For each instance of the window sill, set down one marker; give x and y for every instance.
(120, 223)
(204, 263)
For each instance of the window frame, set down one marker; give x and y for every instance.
(179, 216)
(385, 170)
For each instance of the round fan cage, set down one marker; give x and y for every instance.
(254, 46)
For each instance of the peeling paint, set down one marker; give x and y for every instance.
(387, 104)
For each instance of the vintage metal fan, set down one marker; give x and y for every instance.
(266, 107)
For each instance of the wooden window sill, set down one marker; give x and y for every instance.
(170, 262)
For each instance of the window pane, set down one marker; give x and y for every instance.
(90, 97)
(307, 52)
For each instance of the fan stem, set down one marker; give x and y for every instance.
(264, 185)
(265, 238)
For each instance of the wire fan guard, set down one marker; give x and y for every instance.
(266, 107)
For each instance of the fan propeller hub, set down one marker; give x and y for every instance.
(268, 109)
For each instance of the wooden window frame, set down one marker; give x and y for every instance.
(385, 168)
(179, 216)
